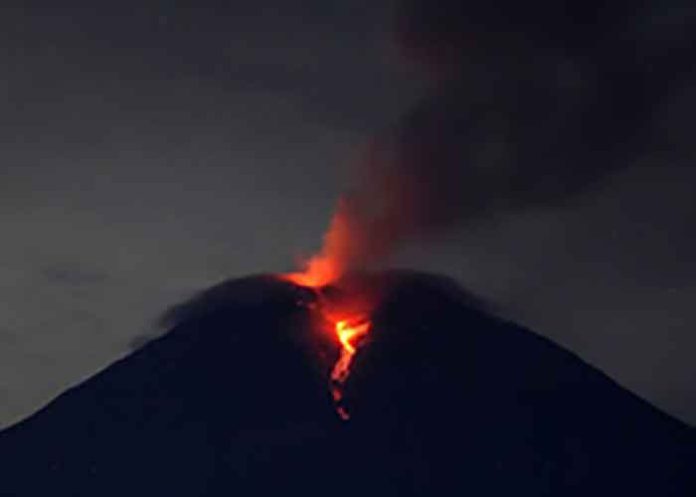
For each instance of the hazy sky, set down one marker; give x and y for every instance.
(149, 151)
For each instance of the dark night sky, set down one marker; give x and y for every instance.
(151, 150)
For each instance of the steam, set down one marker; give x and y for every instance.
(531, 104)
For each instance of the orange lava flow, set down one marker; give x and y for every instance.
(349, 327)
(348, 324)
(349, 332)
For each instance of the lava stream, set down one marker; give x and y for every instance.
(348, 316)
(349, 333)
(348, 325)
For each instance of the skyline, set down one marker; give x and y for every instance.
(151, 151)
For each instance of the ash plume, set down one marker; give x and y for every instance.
(530, 104)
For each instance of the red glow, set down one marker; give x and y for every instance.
(347, 319)
(349, 332)
(349, 323)
(330, 264)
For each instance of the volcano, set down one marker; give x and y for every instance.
(445, 398)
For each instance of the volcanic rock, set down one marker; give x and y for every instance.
(445, 399)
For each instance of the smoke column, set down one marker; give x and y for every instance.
(531, 103)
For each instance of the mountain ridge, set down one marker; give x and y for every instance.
(444, 397)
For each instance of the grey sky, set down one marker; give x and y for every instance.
(151, 151)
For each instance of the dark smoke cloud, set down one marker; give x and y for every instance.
(532, 103)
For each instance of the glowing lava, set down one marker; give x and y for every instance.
(347, 317)
(349, 332)
(348, 323)
(349, 327)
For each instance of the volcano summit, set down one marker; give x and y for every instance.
(444, 399)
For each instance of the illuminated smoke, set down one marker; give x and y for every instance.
(531, 104)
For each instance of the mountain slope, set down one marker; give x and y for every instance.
(444, 399)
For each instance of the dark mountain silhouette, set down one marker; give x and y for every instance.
(445, 399)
